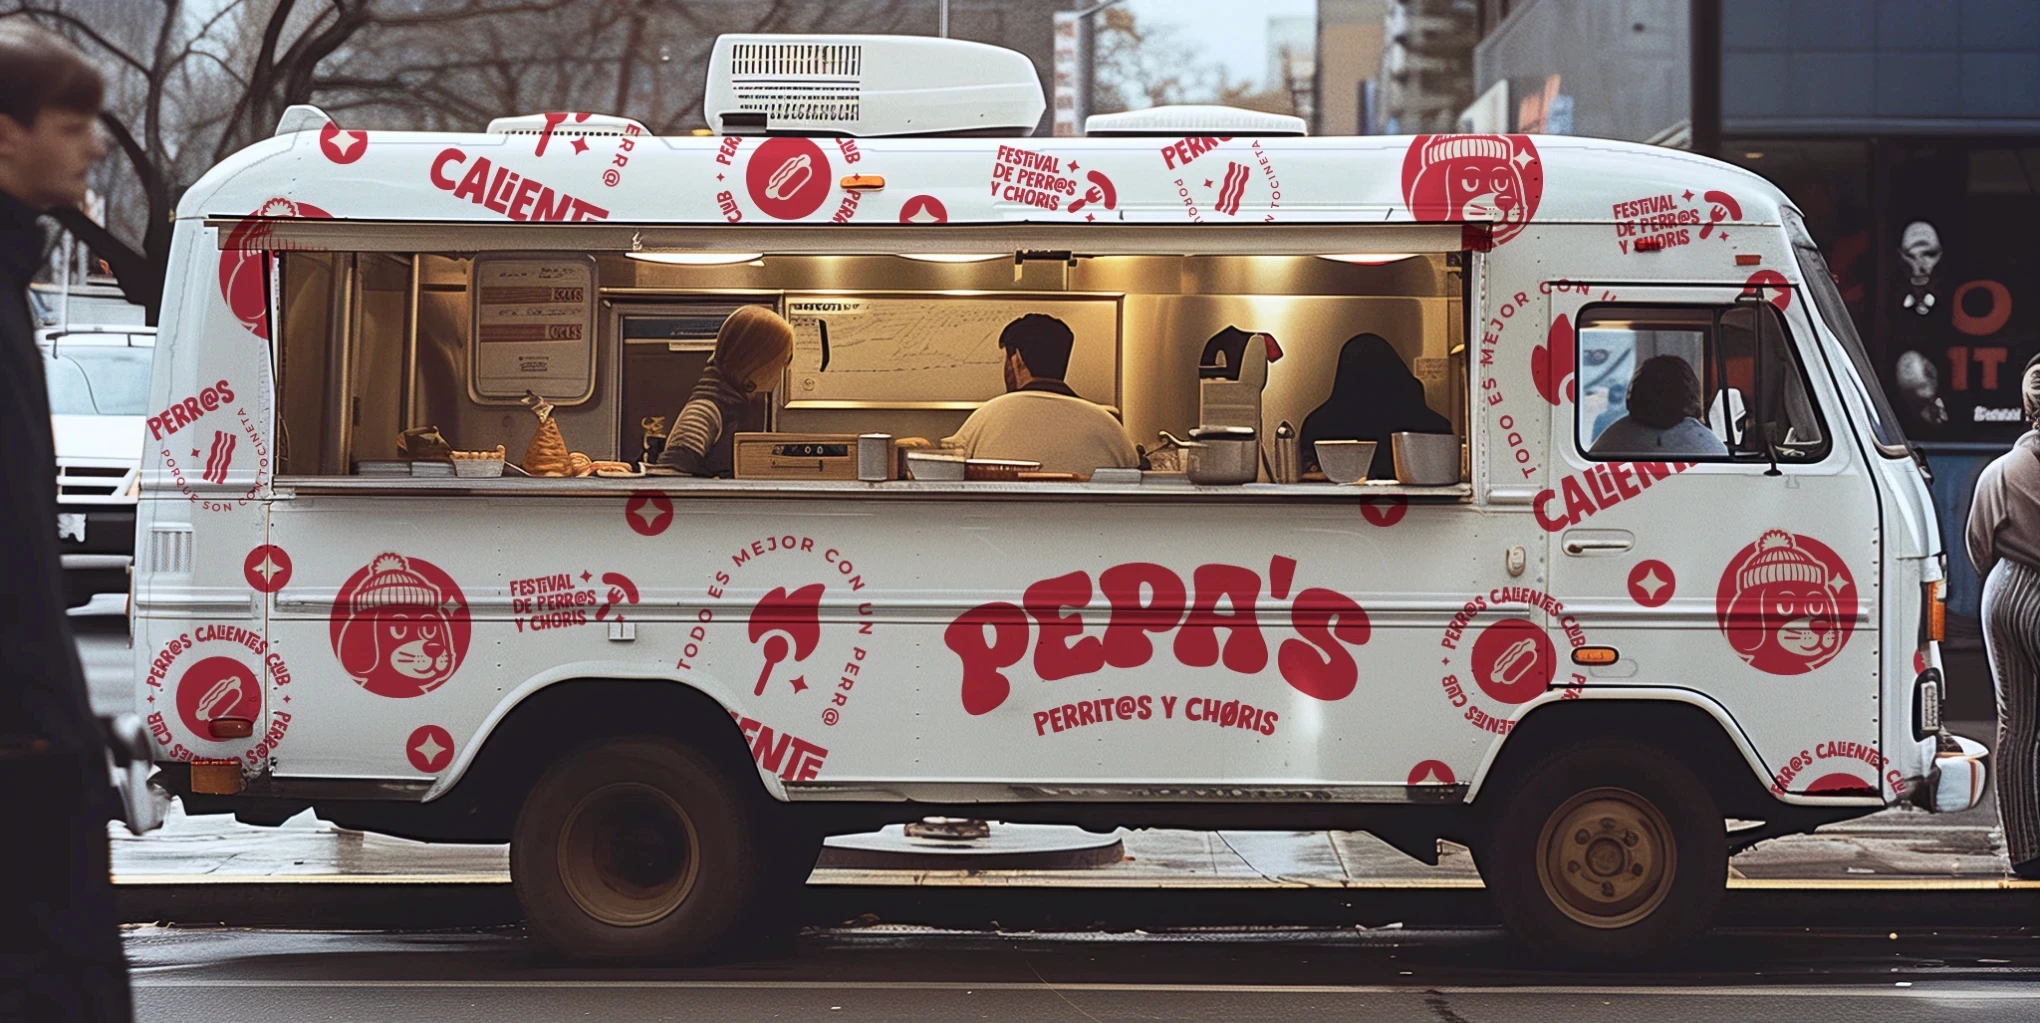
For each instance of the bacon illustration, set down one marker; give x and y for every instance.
(1232, 190)
(222, 457)
(790, 177)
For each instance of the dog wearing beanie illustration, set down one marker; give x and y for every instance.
(1786, 604)
(400, 627)
(1493, 178)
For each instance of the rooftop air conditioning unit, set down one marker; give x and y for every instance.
(869, 85)
(1193, 120)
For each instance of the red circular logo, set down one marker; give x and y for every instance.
(1487, 178)
(1384, 511)
(342, 146)
(788, 177)
(1513, 661)
(648, 512)
(1841, 783)
(1772, 281)
(1651, 583)
(243, 264)
(924, 209)
(430, 748)
(267, 568)
(1786, 603)
(214, 688)
(1429, 772)
(400, 626)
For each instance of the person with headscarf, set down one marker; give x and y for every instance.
(752, 348)
(1663, 421)
(2004, 545)
(1374, 395)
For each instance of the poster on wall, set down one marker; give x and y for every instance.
(534, 323)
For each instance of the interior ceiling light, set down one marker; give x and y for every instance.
(956, 257)
(696, 258)
(1365, 258)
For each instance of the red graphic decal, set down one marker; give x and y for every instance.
(214, 688)
(1772, 281)
(780, 616)
(186, 411)
(1233, 190)
(788, 177)
(342, 146)
(1182, 151)
(1384, 511)
(648, 512)
(1143, 599)
(267, 568)
(1841, 783)
(1100, 192)
(1600, 488)
(1919, 661)
(1496, 178)
(1832, 782)
(244, 264)
(400, 626)
(924, 209)
(790, 758)
(1786, 603)
(554, 120)
(430, 748)
(1651, 583)
(562, 599)
(1431, 772)
(1721, 206)
(220, 459)
(1513, 661)
(620, 591)
(1552, 363)
(498, 188)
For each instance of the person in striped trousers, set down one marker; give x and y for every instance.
(2004, 545)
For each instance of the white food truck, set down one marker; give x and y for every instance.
(1603, 668)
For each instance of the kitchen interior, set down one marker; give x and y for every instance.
(1212, 363)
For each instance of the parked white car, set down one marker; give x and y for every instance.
(99, 386)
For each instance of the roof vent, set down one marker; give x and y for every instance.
(1193, 120)
(566, 124)
(869, 85)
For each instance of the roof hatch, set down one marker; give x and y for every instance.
(869, 85)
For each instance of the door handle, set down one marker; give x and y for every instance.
(1610, 541)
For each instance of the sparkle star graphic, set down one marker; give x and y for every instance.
(585, 576)
(268, 569)
(648, 513)
(580, 146)
(1207, 182)
(799, 683)
(1650, 584)
(344, 141)
(430, 749)
(1087, 216)
(1073, 165)
(1521, 159)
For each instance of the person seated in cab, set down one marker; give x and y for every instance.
(1374, 397)
(1039, 418)
(752, 348)
(1663, 421)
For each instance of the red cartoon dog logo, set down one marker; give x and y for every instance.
(1786, 603)
(781, 616)
(400, 626)
(1496, 178)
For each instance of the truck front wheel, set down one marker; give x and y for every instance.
(1607, 854)
(634, 848)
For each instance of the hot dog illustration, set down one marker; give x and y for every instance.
(1516, 662)
(224, 695)
(791, 175)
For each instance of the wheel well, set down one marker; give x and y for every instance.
(545, 726)
(1689, 734)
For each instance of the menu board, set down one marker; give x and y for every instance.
(534, 328)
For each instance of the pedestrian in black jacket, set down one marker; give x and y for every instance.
(60, 953)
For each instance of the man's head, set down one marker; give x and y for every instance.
(1663, 392)
(1037, 347)
(49, 117)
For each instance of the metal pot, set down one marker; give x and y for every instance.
(1222, 455)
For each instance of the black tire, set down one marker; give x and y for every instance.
(1609, 854)
(635, 848)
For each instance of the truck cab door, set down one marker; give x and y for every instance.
(1711, 518)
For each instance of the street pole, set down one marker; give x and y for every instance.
(942, 19)
(1087, 54)
(1704, 27)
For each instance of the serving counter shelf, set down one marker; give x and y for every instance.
(291, 487)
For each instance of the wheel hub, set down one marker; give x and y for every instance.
(628, 854)
(1606, 858)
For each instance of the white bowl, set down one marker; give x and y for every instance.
(1426, 459)
(934, 465)
(1345, 461)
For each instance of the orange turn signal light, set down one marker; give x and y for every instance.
(231, 728)
(1748, 259)
(216, 777)
(1937, 612)
(863, 182)
(1594, 655)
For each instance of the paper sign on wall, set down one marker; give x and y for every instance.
(534, 328)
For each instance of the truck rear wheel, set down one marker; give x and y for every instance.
(634, 848)
(1607, 854)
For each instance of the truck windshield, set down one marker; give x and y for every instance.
(1820, 286)
(98, 380)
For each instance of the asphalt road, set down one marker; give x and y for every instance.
(885, 973)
